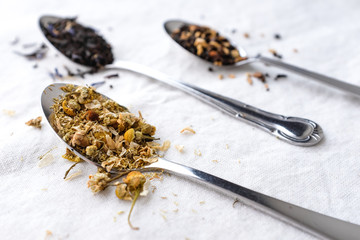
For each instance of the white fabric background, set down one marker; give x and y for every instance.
(324, 178)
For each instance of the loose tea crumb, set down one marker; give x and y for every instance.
(180, 148)
(116, 75)
(221, 77)
(277, 36)
(249, 79)
(79, 43)
(36, 123)
(267, 87)
(197, 152)
(280, 76)
(48, 234)
(231, 75)
(163, 216)
(10, 113)
(37, 54)
(246, 35)
(236, 201)
(210, 69)
(187, 129)
(207, 44)
(275, 54)
(259, 76)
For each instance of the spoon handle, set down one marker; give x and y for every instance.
(316, 76)
(297, 131)
(317, 224)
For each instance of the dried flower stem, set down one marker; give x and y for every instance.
(67, 172)
(137, 193)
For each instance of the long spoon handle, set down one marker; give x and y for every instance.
(317, 224)
(313, 75)
(297, 131)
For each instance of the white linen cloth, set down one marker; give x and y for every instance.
(36, 203)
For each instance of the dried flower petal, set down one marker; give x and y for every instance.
(35, 122)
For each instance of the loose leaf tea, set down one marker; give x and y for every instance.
(207, 44)
(102, 130)
(79, 43)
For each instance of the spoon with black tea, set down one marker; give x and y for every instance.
(84, 46)
(210, 46)
(317, 224)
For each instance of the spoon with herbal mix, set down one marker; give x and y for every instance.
(84, 46)
(106, 134)
(209, 45)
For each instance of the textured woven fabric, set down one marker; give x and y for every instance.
(36, 201)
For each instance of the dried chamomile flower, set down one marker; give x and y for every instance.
(129, 135)
(135, 181)
(99, 181)
(130, 190)
(122, 193)
(35, 122)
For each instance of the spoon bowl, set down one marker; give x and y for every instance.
(294, 130)
(171, 25)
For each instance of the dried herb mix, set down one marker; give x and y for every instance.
(102, 130)
(207, 44)
(79, 43)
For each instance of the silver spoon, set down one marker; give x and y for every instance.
(294, 130)
(317, 224)
(172, 25)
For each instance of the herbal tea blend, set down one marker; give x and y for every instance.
(102, 130)
(108, 134)
(79, 43)
(207, 44)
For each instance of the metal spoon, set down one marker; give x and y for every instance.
(297, 131)
(312, 222)
(172, 25)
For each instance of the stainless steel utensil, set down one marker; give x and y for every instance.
(294, 130)
(172, 25)
(312, 222)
